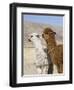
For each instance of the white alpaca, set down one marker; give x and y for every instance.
(41, 57)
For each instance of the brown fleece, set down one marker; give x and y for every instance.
(55, 51)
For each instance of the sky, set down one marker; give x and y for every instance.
(44, 19)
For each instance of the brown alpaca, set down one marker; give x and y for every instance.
(55, 51)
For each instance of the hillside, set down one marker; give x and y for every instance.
(30, 27)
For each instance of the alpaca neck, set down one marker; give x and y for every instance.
(51, 44)
(37, 44)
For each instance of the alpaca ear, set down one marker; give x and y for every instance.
(54, 32)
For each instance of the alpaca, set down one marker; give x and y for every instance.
(55, 51)
(41, 57)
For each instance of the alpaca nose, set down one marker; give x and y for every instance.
(29, 40)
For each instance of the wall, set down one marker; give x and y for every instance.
(4, 43)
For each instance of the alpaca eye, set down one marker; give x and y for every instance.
(46, 33)
(37, 36)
